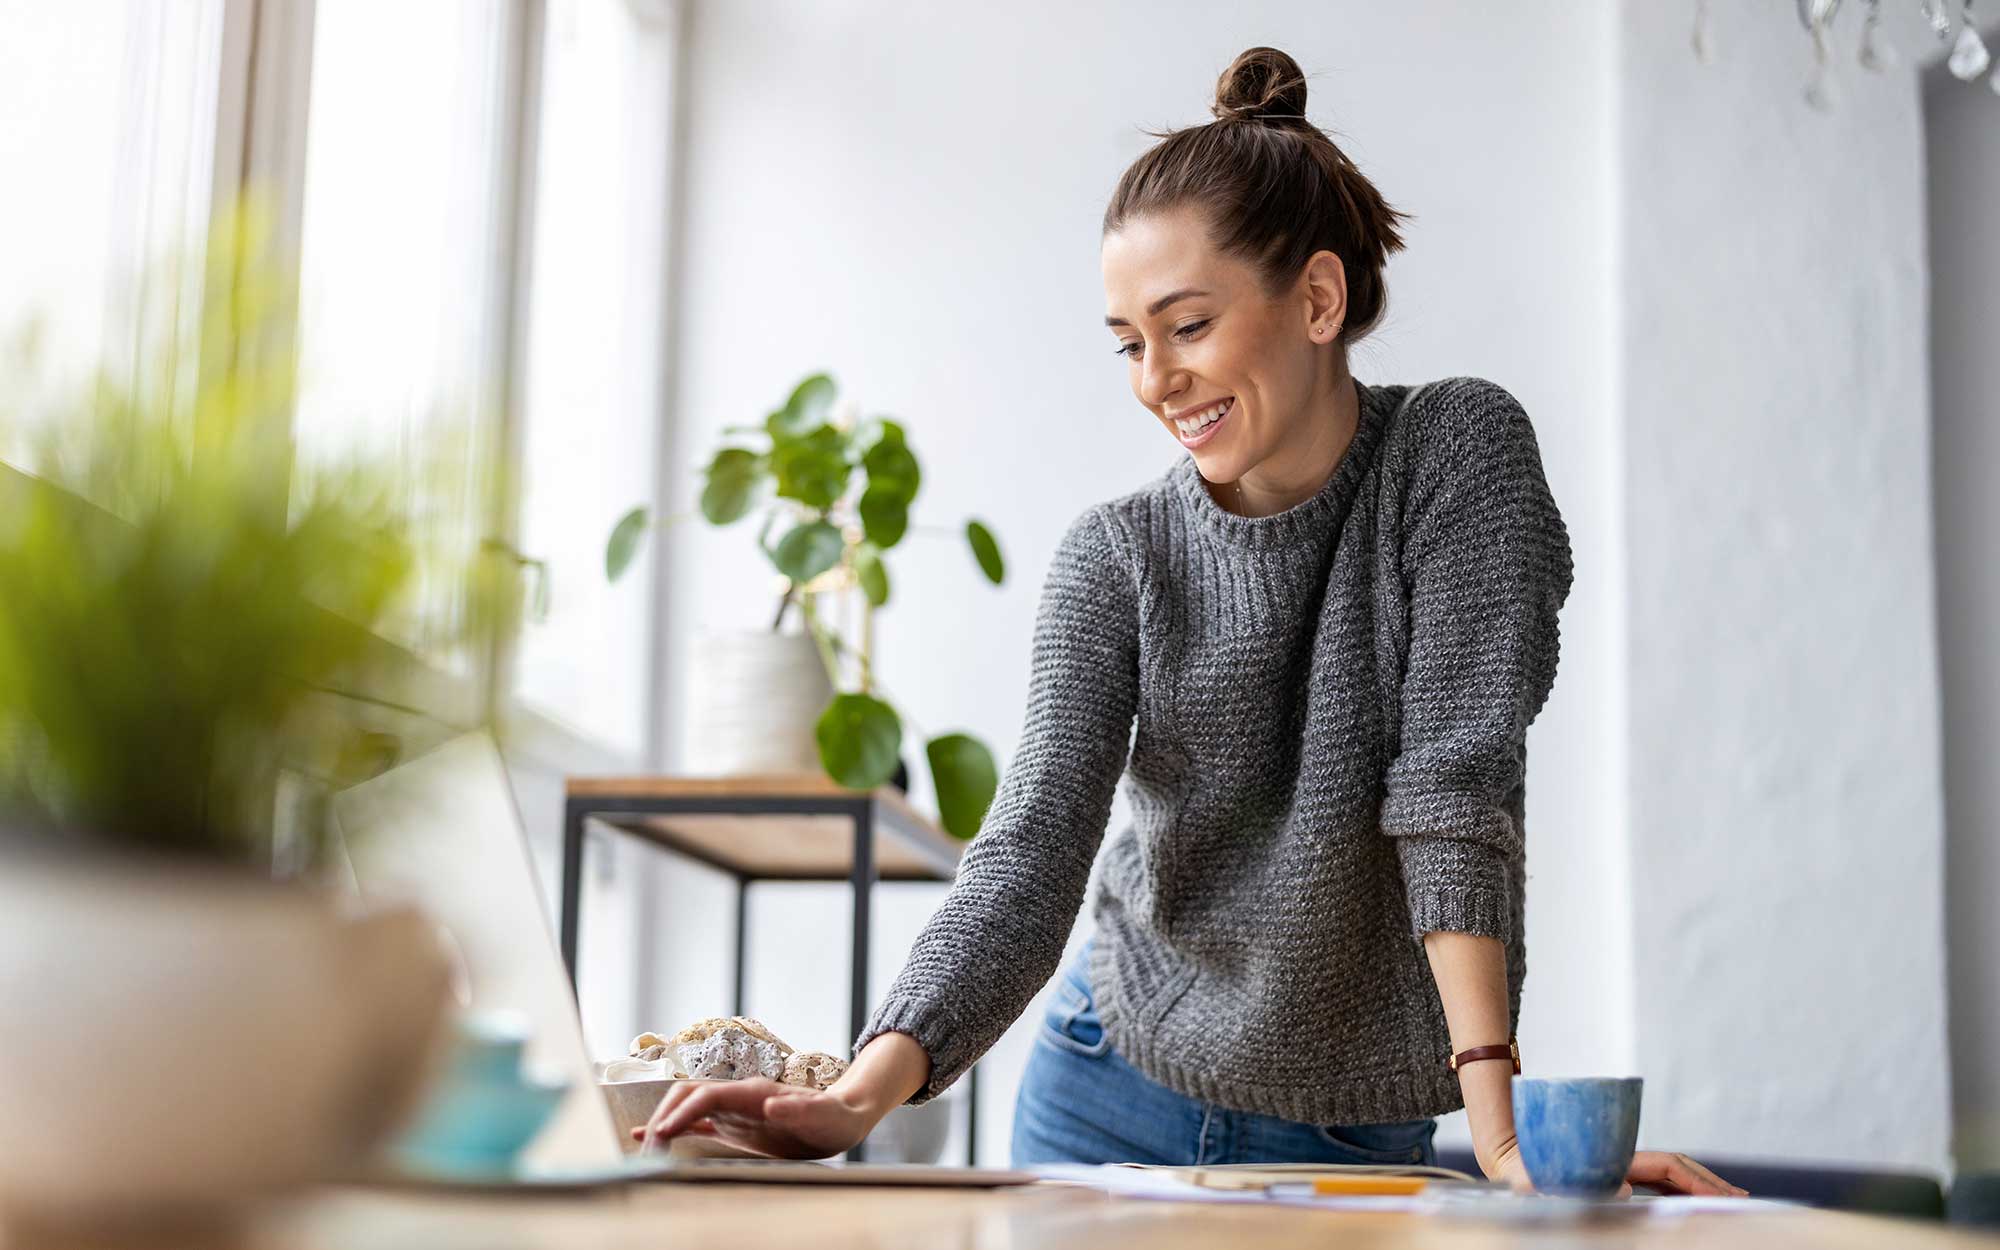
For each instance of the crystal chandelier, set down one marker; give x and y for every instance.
(1969, 57)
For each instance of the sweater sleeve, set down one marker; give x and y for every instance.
(997, 936)
(1486, 560)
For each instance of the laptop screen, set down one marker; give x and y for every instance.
(443, 831)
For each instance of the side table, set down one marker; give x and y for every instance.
(789, 827)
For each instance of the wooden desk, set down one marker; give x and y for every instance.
(1034, 1219)
(791, 827)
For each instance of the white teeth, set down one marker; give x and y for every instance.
(1192, 426)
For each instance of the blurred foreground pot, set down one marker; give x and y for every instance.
(178, 1039)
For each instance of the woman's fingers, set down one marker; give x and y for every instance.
(756, 1114)
(1693, 1178)
(731, 1099)
(1655, 1167)
(675, 1095)
(1716, 1183)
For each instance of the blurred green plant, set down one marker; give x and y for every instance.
(843, 490)
(185, 615)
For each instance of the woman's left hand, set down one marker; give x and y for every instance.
(1672, 1173)
(1677, 1174)
(1505, 1165)
(1515, 1173)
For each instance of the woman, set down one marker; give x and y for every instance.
(1332, 624)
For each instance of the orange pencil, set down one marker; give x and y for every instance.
(1353, 1186)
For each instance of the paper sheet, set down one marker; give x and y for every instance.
(1145, 1183)
(1469, 1202)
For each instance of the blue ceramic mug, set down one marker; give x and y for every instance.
(483, 1108)
(1577, 1136)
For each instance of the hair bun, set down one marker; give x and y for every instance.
(1260, 80)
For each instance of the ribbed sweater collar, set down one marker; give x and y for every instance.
(1310, 520)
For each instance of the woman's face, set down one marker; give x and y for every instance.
(1201, 336)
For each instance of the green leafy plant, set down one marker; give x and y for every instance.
(842, 491)
(185, 616)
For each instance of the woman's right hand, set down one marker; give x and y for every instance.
(787, 1122)
(759, 1115)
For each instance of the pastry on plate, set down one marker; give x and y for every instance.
(814, 1069)
(727, 1048)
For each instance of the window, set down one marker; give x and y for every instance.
(402, 261)
(593, 358)
(107, 132)
(478, 195)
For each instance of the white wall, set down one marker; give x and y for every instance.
(1963, 130)
(909, 195)
(1785, 802)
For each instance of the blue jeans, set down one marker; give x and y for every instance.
(1080, 1102)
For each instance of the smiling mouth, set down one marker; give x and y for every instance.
(1200, 426)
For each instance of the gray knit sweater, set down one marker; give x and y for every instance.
(1331, 708)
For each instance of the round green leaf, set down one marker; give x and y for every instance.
(810, 402)
(858, 739)
(892, 470)
(813, 468)
(732, 485)
(962, 771)
(986, 550)
(878, 430)
(624, 543)
(871, 573)
(808, 551)
(885, 515)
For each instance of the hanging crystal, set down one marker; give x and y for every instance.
(1940, 20)
(1874, 57)
(1819, 92)
(1969, 57)
(1704, 49)
(1814, 14)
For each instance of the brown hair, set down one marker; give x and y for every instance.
(1274, 188)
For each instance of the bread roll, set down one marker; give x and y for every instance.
(729, 1048)
(812, 1069)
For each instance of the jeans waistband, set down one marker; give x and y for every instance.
(1077, 970)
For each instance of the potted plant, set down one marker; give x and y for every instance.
(836, 492)
(188, 658)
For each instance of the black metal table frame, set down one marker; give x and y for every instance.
(579, 810)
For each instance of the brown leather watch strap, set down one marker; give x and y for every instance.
(1512, 1050)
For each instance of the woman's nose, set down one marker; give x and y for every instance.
(1157, 382)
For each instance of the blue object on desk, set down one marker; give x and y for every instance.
(1577, 1136)
(483, 1111)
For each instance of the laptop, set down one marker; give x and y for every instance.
(443, 831)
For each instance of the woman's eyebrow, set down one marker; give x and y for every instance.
(1154, 308)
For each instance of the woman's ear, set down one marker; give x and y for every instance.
(1325, 283)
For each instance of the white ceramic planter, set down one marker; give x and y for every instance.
(753, 698)
(179, 1040)
(913, 1134)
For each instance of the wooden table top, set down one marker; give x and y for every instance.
(731, 1217)
(909, 846)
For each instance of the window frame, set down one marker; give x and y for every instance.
(262, 137)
